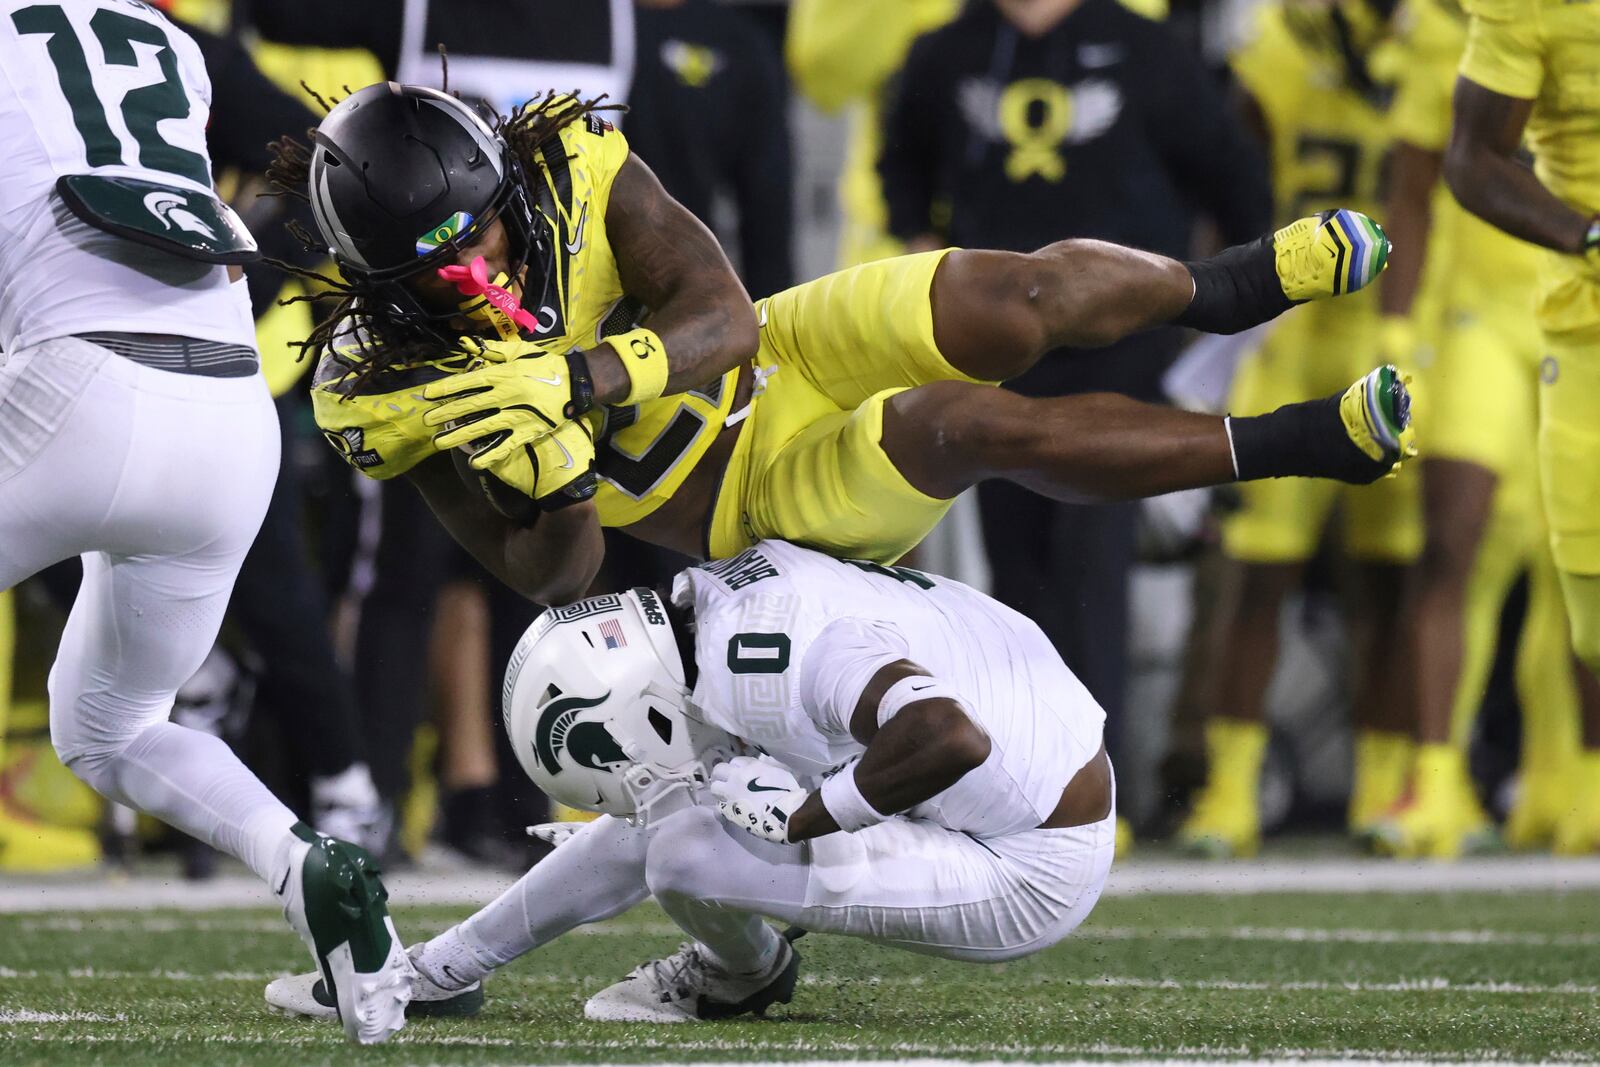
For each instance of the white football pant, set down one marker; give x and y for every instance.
(905, 882)
(158, 481)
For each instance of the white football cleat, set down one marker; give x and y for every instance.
(306, 995)
(333, 898)
(687, 987)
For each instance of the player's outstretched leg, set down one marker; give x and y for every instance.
(996, 313)
(946, 436)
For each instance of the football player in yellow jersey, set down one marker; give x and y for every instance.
(1484, 525)
(844, 414)
(1533, 67)
(1309, 71)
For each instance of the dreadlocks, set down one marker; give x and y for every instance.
(379, 338)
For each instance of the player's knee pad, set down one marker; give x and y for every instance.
(685, 854)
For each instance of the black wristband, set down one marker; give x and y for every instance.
(582, 386)
(1306, 440)
(1235, 289)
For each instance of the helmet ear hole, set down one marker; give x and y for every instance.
(661, 725)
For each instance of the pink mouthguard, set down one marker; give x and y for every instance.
(473, 280)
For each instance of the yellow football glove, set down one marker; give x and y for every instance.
(516, 402)
(554, 470)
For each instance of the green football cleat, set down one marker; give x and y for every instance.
(333, 898)
(1330, 254)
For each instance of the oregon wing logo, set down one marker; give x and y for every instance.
(172, 209)
(350, 443)
(589, 744)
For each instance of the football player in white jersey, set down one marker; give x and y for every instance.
(920, 769)
(136, 432)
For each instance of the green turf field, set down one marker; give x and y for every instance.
(1459, 976)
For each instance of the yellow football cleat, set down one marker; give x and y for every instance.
(1441, 818)
(1226, 820)
(1382, 764)
(1578, 832)
(1329, 254)
(31, 847)
(1544, 799)
(1376, 412)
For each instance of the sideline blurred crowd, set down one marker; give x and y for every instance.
(1388, 661)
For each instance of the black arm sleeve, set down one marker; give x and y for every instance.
(370, 24)
(908, 162)
(1204, 142)
(762, 182)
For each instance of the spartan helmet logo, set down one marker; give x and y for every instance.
(589, 744)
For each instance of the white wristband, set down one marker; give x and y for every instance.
(846, 804)
(911, 689)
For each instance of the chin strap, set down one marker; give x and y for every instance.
(499, 309)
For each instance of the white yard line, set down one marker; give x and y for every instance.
(25, 1015)
(920, 1055)
(1412, 985)
(124, 922)
(466, 887)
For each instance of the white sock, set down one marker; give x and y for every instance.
(595, 875)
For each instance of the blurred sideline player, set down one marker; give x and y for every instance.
(846, 54)
(124, 336)
(1480, 481)
(1309, 72)
(1529, 67)
(933, 778)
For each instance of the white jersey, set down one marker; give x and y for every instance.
(787, 639)
(106, 87)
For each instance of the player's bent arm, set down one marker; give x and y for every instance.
(923, 750)
(1483, 171)
(551, 562)
(670, 261)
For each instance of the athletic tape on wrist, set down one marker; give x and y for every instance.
(911, 689)
(845, 803)
(644, 359)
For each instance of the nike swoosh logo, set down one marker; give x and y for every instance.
(546, 381)
(282, 884)
(577, 235)
(757, 787)
(568, 464)
(451, 975)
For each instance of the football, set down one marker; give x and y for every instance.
(506, 499)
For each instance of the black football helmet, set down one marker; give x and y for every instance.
(401, 177)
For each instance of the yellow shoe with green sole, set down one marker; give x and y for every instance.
(1329, 254)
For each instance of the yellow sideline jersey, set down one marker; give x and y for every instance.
(1327, 143)
(1548, 51)
(1480, 387)
(644, 452)
(845, 52)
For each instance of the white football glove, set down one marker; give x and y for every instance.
(758, 795)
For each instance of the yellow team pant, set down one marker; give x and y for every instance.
(810, 466)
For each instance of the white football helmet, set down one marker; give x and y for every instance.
(597, 707)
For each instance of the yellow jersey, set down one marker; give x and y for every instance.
(1548, 51)
(1327, 141)
(644, 452)
(1473, 264)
